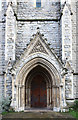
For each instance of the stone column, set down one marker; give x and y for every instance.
(17, 96)
(62, 93)
(47, 96)
(61, 103)
(26, 96)
(23, 97)
(13, 91)
(58, 103)
(8, 79)
(54, 96)
(50, 96)
(5, 85)
(66, 34)
(29, 96)
(10, 34)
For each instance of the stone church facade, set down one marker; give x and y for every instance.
(39, 51)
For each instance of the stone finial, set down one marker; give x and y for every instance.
(11, 2)
(9, 62)
(68, 66)
(66, 6)
(38, 30)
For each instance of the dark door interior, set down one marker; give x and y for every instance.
(38, 92)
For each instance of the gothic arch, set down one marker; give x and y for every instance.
(53, 80)
(32, 64)
(38, 70)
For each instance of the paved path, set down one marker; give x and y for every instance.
(38, 115)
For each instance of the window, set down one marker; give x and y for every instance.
(38, 3)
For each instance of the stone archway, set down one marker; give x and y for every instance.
(50, 98)
(24, 80)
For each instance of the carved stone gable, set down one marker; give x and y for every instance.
(38, 48)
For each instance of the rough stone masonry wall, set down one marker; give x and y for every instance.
(26, 9)
(25, 30)
(77, 48)
(0, 56)
(74, 8)
(46, 18)
(2, 47)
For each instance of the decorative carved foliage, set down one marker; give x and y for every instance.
(38, 48)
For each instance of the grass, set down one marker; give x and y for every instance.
(11, 111)
(74, 113)
(4, 113)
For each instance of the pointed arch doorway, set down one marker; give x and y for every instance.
(38, 88)
(41, 89)
(38, 92)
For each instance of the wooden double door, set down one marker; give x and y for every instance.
(38, 92)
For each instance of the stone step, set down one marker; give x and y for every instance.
(38, 119)
(37, 116)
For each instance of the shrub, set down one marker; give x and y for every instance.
(5, 104)
(75, 106)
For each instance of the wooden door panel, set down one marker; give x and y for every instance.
(43, 93)
(38, 92)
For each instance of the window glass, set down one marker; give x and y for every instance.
(38, 3)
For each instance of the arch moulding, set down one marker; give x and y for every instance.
(54, 80)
